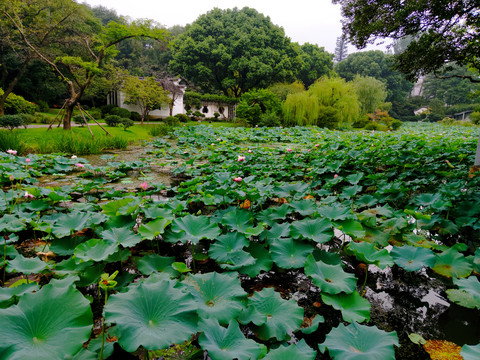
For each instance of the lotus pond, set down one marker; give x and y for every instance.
(234, 243)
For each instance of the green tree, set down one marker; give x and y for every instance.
(371, 93)
(329, 102)
(442, 31)
(316, 62)
(452, 90)
(233, 51)
(82, 53)
(146, 93)
(254, 103)
(46, 30)
(282, 90)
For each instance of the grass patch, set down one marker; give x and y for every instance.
(11, 140)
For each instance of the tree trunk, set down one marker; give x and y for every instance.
(67, 119)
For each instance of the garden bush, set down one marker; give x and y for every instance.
(78, 119)
(395, 124)
(182, 117)
(475, 117)
(105, 109)
(135, 116)
(16, 104)
(126, 123)
(11, 121)
(269, 119)
(171, 121)
(160, 130)
(42, 106)
(112, 120)
(123, 113)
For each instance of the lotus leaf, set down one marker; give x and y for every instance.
(470, 352)
(451, 263)
(317, 320)
(11, 223)
(51, 323)
(273, 316)
(468, 293)
(304, 207)
(123, 236)
(228, 251)
(298, 351)
(351, 227)
(290, 254)
(360, 342)
(153, 228)
(331, 279)
(95, 249)
(318, 230)
(26, 265)
(152, 315)
(67, 223)
(336, 212)
(370, 254)
(219, 296)
(194, 228)
(228, 343)
(238, 220)
(354, 308)
(263, 260)
(153, 262)
(412, 258)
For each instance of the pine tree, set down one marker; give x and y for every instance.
(341, 50)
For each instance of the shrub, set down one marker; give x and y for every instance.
(447, 121)
(269, 119)
(27, 119)
(395, 124)
(362, 122)
(197, 115)
(105, 109)
(95, 113)
(78, 119)
(135, 116)
(240, 122)
(160, 130)
(123, 113)
(113, 120)
(42, 119)
(254, 103)
(16, 104)
(182, 117)
(475, 117)
(42, 106)
(171, 120)
(126, 123)
(11, 121)
(216, 115)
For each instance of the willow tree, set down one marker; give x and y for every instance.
(83, 52)
(329, 102)
(371, 93)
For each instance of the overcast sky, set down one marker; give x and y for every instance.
(312, 21)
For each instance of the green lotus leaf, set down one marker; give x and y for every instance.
(219, 296)
(152, 315)
(350, 191)
(228, 249)
(366, 201)
(451, 263)
(263, 260)
(412, 258)
(8, 294)
(290, 254)
(470, 352)
(376, 236)
(304, 207)
(228, 343)
(433, 200)
(123, 236)
(238, 220)
(315, 323)
(468, 293)
(273, 316)
(331, 279)
(50, 324)
(354, 178)
(158, 212)
(275, 232)
(26, 265)
(336, 212)
(369, 254)
(351, 227)
(95, 249)
(395, 225)
(153, 228)
(298, 351)
(318, 230)
(11, 223)
(152, 263)
(270, 215)
(354, 308)
(476, 261)
(112, 208)
(67, 223)
(195, 228)
(360, 342)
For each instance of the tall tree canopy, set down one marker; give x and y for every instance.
(234, 50)
(316, 62)
(443, 31)
(82, 53)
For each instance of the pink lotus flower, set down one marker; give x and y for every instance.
(317, 145)
(74, 156)
(79, 165)
(144, 185)
(249, 151)
(289, 150)
(241, 158)
(27, 195)
(12, 177)
(28, 161)
(237, 179)
(335, 176)
(12, 152)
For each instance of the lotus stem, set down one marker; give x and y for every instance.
(364, 282)
(103, 327)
